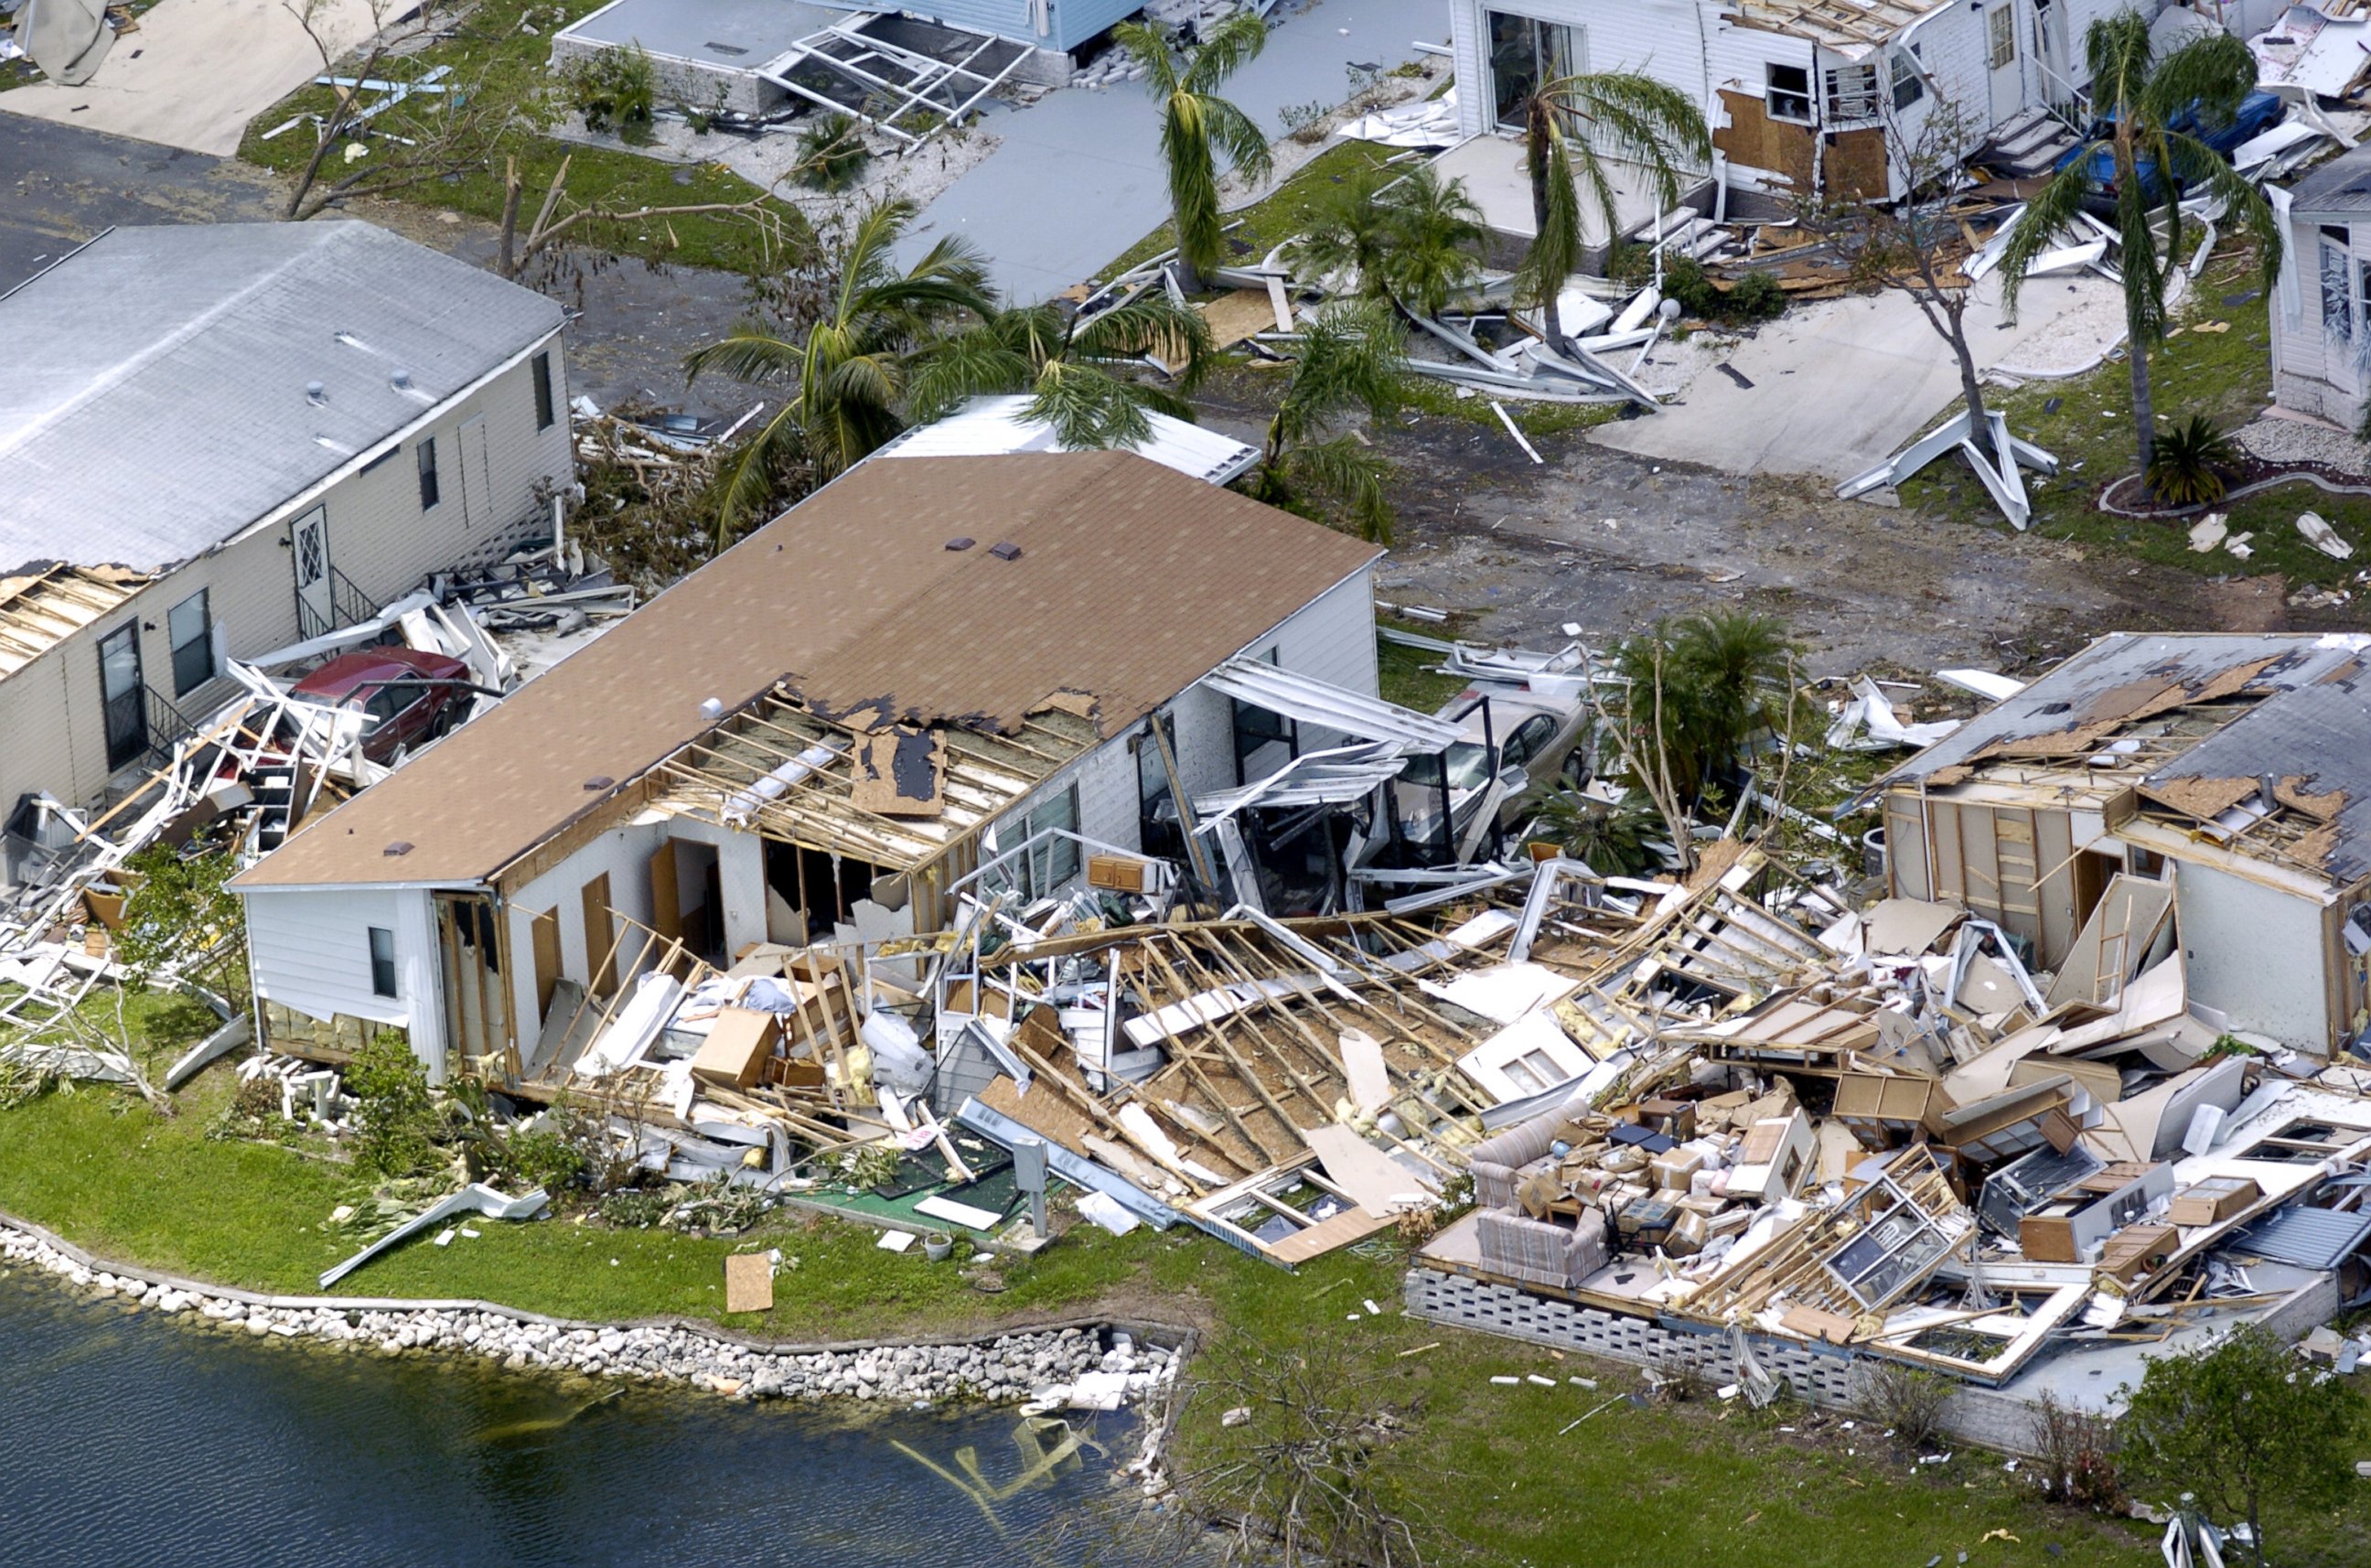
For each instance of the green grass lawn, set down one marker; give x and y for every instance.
(488, 51)
(2225, 376)
(1492, 1472)
(1409, 675)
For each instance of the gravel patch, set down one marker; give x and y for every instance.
(2295, 441)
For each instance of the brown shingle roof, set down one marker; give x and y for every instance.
(1132, 583)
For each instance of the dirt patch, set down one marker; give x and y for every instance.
(1611, 542)
(2246, 604)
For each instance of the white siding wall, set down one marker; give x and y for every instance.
(625, 855)
(2310, 374)
(378, 536)
(309, 949)
(2255, 954)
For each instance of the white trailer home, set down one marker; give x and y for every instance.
(2322, 311)
(217, 439)
(1796, 92)
(935, 671)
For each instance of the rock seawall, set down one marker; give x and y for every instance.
(1027, 1363)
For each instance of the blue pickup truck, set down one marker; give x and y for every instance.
(2257, 113)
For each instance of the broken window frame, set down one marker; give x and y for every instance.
(1787, 93)
(1903, 1258)
(1851, 90)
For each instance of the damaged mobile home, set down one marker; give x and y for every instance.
(933, 666)
(1796, 92)
(236, 437)
(2009, 1123)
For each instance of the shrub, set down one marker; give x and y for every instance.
(639, 1208)
(395, 1120)
(1304, 122)
(616, 88)
(1756, 296)
(2077, 1450)
(1909, 1399)
(548, 1157)
(832, 154)
(2190, 456)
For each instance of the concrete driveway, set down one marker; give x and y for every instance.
(1078, 178)
(197, 72)
(1841, 385)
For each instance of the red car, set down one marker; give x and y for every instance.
(396, 715)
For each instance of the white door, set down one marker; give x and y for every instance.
(309, 544)
(477, 490)
(2005, 82)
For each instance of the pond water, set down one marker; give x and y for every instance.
(126, 1440)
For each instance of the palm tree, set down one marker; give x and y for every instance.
(1349, 360)
(1699, 692)
(1410, 237)
(849, 370)
(1197, 125)
(2138, 98)
(1572, 126)
(1060, 361)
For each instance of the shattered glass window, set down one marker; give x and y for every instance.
(2337, 307)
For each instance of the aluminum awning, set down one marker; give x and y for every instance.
(1317, 778)
(1310, 701)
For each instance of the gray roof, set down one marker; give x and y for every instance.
(2338, 189)
(2308, 1239)
(153, 392)
(2312, 726)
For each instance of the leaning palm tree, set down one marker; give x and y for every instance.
(1349, 361)
(849, 372)
(1572, 127)
(2139, 100)
(1068, 366)
(1408, 238)
(1196, 125)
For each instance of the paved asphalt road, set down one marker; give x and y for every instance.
(60, 185)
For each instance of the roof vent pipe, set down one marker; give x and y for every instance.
(316, 392)
(400, 380)
(2267, 794)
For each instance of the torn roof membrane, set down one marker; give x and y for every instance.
(2215, 727)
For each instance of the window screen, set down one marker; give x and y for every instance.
(430, 491)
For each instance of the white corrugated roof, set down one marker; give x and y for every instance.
(990, 428)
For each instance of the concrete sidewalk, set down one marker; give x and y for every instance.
(196, 72)
(1842, 385)
(1078, 180)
